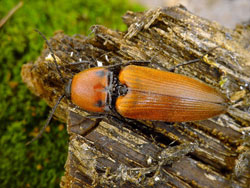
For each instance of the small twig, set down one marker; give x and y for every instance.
(11, 12)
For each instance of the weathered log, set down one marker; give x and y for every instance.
(125, 153)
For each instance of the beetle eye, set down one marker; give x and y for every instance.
(68, 89)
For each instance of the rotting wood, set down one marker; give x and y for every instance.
(111, 156)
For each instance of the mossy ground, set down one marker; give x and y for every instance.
(40, 164)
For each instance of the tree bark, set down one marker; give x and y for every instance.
(124, 153)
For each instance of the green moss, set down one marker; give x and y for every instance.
(40, 164)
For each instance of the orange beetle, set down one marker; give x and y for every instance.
(143, 93)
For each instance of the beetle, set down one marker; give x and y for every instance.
(139, 92)
(142, 93)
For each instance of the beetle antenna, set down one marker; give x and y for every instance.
(52, 54)
(193, 60)
(48, 120)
